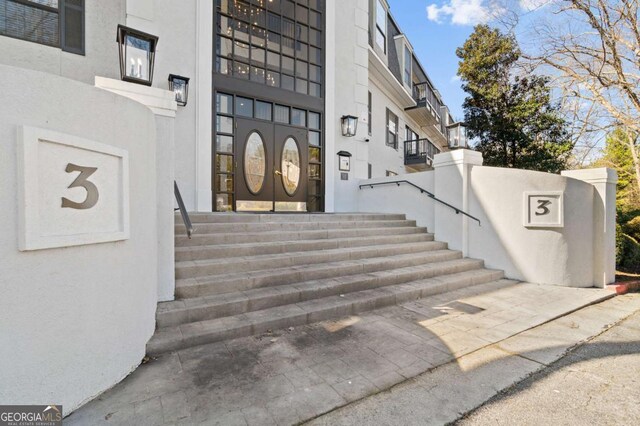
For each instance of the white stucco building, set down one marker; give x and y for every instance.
(270, 83)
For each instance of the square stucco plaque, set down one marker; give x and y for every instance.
(543, 209)
(71, 191)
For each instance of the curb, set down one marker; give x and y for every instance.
(624, 287)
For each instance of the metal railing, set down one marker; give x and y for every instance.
(425, 97)
(422, 191)
(418, 151)
(183, 211)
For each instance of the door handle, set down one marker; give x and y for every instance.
(278, 173)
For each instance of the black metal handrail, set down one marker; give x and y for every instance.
(422, 191)
(183, 211)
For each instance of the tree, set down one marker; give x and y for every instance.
(594, 48)
(617, 155)
(510, 115)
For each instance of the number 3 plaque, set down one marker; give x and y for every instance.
(543, 209)
(71, 191)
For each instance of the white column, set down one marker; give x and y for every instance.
(204, 92)
(452, 185)
(330, 115)
(163, 105)
(604, 217)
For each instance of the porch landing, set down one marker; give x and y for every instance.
(289, 376)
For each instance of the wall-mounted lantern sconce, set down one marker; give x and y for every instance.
(349, 125)
(137, 55)
(345, 161)
(180, 86)
(458, 135)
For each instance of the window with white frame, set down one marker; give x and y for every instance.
(381, 26)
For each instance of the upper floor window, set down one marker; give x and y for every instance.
(381, 26)
(407, 66)
(392, 129)
(56, 23)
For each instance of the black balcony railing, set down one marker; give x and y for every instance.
(419, 151)
(425, 97)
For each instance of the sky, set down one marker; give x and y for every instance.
(436, 28)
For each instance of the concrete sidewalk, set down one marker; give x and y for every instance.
(290, 376)
(597, 384)
(445, 394)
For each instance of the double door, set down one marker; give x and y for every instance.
(271, 167)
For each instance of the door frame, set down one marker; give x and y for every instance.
(274, 137)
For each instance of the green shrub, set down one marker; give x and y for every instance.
(632, 228)
(624, 215)
(630, 260)
(619, 245)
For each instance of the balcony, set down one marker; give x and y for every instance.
(419, 153)
(427, 108)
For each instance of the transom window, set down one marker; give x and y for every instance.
(56, 23)
(273, 42)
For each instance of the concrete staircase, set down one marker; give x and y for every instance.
(245, 274)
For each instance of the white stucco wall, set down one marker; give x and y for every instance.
(604, 218)
(384, 157)
(179, 52)
(162, 103)
(74, 321)
(347, 72)
(558, 256)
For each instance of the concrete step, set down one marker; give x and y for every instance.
(256, 322)
(210, 307)
(228, 228)
(260, 237)
(242, 281)
(286, 217)
(220, 251)
(191, 269)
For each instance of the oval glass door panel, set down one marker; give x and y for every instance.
(290, 166)
(255, 162)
